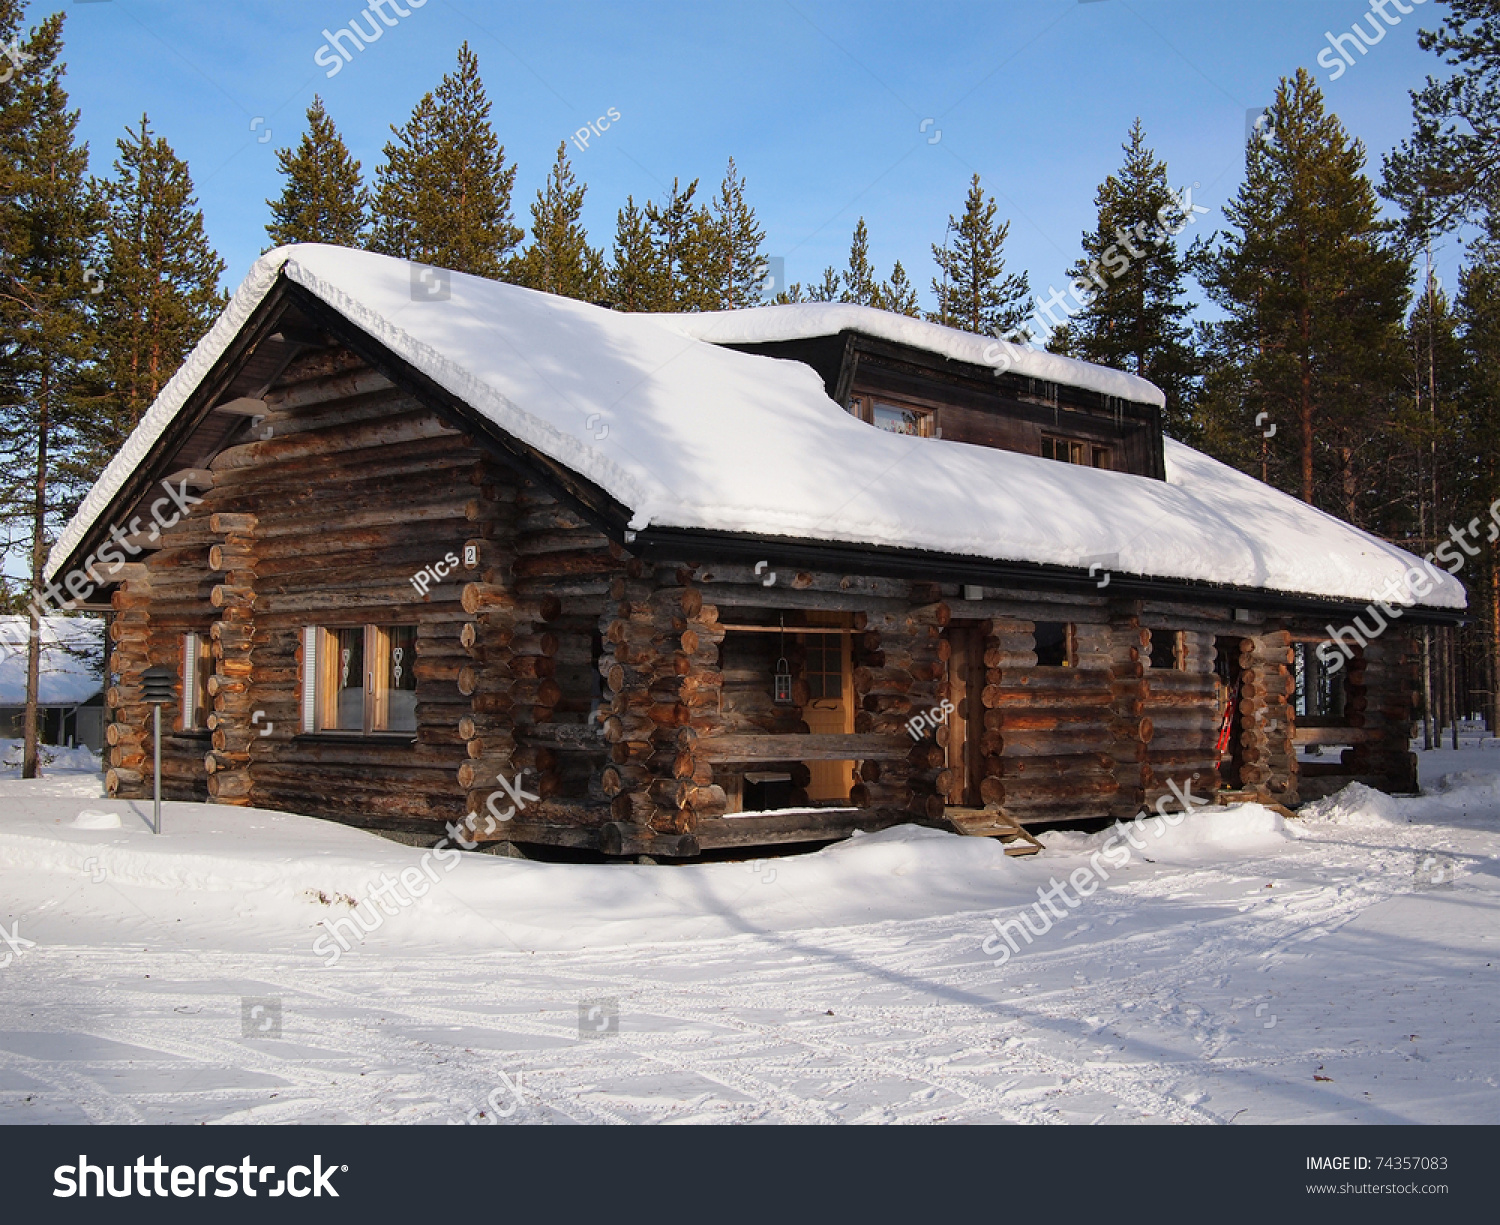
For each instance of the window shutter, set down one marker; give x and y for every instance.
(310, 678)
(189, 681)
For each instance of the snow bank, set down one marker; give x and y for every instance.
(1209, 833)
(296, 872)
(58, 762)
(1356, 805)
(689, 435)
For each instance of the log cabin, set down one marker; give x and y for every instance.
(692, 582)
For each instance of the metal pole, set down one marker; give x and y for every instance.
(156, 774)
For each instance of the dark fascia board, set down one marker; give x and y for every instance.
(682, 544)
(981, 377)
(579, 494)
(261, 324)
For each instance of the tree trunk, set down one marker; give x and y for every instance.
(38, 560)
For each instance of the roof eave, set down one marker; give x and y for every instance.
(663, 543)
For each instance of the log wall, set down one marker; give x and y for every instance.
(1049, 732)
(610, 686)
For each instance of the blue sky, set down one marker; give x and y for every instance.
(824, 105)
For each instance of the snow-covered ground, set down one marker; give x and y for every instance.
(1336, 968)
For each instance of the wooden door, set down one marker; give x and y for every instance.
(965, 726)
(1227, 676)
(830, 707)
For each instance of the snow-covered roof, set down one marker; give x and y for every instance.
(65, 680)
(805, 320)
(690, 435)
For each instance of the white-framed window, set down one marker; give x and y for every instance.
(196, 667)
(359, 679)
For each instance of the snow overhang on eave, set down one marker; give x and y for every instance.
(670, 543)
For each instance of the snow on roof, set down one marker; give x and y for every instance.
(690, 435)
(65, 679)
(765, 324)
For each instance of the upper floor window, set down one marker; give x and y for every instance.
(359, 679)
(1076, 451)
(896, 418)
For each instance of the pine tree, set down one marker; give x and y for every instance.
(559, 259)
(1315, 296)
(830, 289)
(443, 195)
(860, 285)
(683, 259)
(1449, 171)
(1130, 278)
(160, 292)
(732, 239)
(899, 294)
(974, 291)
(49, 221)
(323, 198)
(636, 280)
(1478, 315)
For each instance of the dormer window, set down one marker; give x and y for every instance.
(896, 418)
(1076, 451)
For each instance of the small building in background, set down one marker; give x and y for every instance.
(71, 698)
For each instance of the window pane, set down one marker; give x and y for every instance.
(349, 673)
(1163, 649)
(899, 420)
(202, 703)
(399, 677)
(1051, 644)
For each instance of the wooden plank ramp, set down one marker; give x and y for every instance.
(992, 823)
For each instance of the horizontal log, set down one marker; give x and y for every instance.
(821, 747)
(303, 446)
(1008, 792)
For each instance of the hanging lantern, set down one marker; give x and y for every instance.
(782, 692)
(781, 688)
